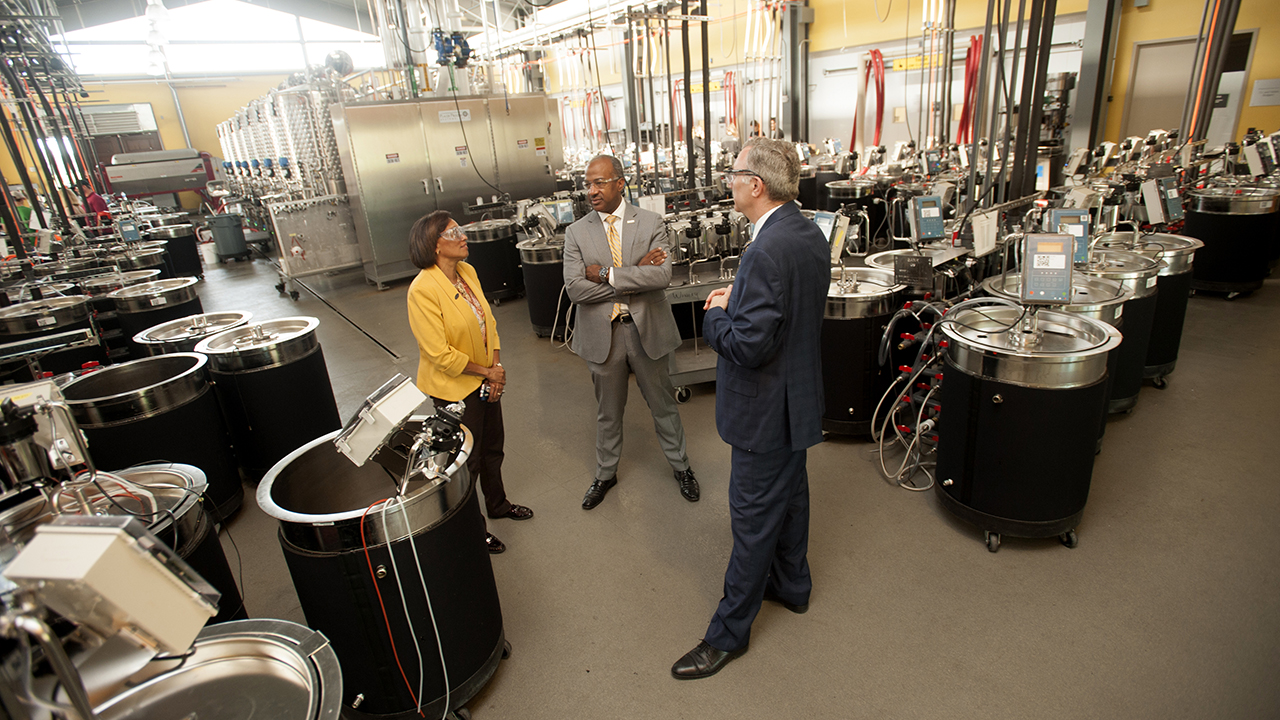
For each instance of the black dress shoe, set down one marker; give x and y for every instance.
(702, 661)
(597, 491)
(517, 512)
(688, 485)
(494, 544)
(771, 596)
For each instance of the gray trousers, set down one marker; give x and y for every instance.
(626, 355)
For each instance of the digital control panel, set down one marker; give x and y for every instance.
(129, 231)
(834, 227)
(926, 218)
(1046, 269)
(1164, 204)
(1073, 222)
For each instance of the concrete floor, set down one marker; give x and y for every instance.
(1169, 607)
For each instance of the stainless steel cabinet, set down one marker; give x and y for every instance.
(403, 159)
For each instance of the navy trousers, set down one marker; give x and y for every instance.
(769, 514)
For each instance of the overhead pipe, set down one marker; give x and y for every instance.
(688, 95)
(706, 97)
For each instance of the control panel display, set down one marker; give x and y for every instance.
(1046, 271)
(926, 218)
(1073, 222)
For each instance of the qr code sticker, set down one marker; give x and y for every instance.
(1044, 261)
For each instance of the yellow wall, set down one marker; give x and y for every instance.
(1181, 18)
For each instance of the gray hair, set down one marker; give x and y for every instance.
(776, 163)
(618, 171)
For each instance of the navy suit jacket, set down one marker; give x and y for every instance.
(769, 375)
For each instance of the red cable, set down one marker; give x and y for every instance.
(365, 546)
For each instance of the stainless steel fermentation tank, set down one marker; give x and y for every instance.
(1016, 442)
(183, 334)
(404, 159)
(40, 318)
(860, 302)
(340, 547)
(143, 306)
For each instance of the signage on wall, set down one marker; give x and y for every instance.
(393, 158)
(453, 116)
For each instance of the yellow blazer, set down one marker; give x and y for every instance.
(448, 333)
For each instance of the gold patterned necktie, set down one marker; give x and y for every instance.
(615, 250)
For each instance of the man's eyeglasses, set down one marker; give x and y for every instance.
(735, 174)
(454, 234)
(602, 183)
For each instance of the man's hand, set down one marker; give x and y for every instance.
(656, 256)
(718, 298)
(593, 273)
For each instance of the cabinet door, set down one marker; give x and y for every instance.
(460, 144)
(390, 164)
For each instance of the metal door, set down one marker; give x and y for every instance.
(385, 154)
(460, 144)
(524, 142)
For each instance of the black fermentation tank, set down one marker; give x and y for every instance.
(273, 385)
(1240, 228)
(340, 549)
(1022, 406)
(543, 267)
(1173, 284)
(491, 246)
(860, 302)
(183, 334)
(183, 247)
(1138, 275)
(158, 408)
(40, 319)
(143, 306)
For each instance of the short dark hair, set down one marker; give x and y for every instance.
(618, 171)
(84, 183)
(423, 237)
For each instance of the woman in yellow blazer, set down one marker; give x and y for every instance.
(458, 354)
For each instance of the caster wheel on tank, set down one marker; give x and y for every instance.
(506, 649)
(1233, 295)
(683, 393)
(1069, 539)
(293, 294)
(280, 288)
(993, 541)
(459, 714)
(497, 302)
(1160, 383)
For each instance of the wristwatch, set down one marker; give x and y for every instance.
(604, 274)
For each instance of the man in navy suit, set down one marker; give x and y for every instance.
(766, 327)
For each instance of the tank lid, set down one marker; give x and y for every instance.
(1086, 290)
(1064, 334)
(42, 307)
(489, 229)
(156, 287)
(862, 282)
(192, 327)
(1156, 246)
(1121, 265)
(261, 345)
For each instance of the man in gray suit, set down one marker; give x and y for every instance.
(616, 272)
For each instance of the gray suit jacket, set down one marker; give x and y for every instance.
(642, 288)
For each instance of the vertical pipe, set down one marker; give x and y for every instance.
(34, 133)
(633, 100)
(706, 98)
(1013, 87)
(688, 96)
(979, 106)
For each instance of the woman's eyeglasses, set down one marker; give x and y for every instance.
(454, 234)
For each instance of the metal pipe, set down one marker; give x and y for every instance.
(62, 666)
(979, 109)
(34, 131)
(688, 96)
(706, 98)
(1013, 84)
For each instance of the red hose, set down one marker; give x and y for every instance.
(972, 63)
(874, 67)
